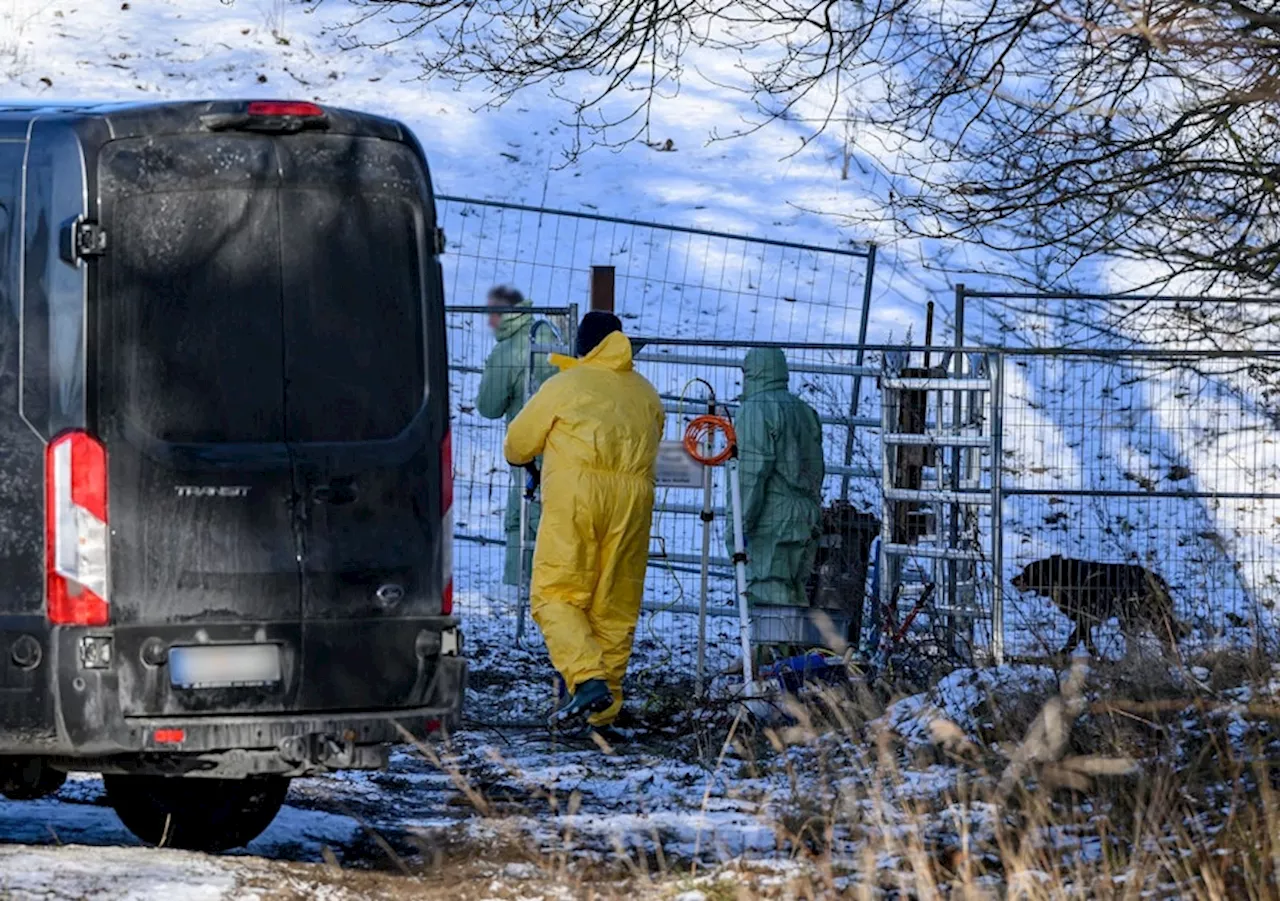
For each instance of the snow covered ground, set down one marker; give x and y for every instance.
(492, 807)
(512, 813)
(1070, 424)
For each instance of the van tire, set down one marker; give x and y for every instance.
(26, 779)
(196, 814)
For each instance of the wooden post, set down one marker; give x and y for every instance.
(602, 283)
(912, 520)
(909, 522)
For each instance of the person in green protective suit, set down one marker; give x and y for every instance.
(504, 387)
(781, 470)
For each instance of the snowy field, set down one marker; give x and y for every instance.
(509, 807)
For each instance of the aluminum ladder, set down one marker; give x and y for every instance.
(940, 544)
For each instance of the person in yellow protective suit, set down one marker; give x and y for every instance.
(597, 425)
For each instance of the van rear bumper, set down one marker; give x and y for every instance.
(291, 744)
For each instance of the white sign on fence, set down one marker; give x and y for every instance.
(676, 469)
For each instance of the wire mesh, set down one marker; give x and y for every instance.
(1138, 488)
(489, 381)
(824, 379)
(1116, 322)
(1139, 491)
(940, 543)
(1142, 497)
(671, 281)
(668, 636)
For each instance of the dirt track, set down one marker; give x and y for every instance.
(513, 814)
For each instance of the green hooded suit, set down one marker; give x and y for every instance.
(504, 387)
(780, 462)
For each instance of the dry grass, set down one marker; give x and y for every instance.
(1132, 781)
(1161, 794)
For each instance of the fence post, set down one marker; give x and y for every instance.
(952, 567)
(704, 581)
(861, 358)
(602, 285)
(997, 512)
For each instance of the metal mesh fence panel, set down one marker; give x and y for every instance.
(672, 634)
(1142, 497)
(941, 539)
(1139, 491)
(824, 378)
(1116, 322)
(671, 281)
(687, 376)
(491, 374)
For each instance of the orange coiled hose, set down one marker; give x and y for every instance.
(702, 430)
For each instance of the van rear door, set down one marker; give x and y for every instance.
(358, 283)
(204, 544)
(273, 319)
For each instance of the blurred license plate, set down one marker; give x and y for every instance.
(224, 665)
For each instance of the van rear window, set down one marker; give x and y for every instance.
(194, 293)
(352, 304)
(257, 299)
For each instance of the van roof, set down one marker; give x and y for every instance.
(129, 119)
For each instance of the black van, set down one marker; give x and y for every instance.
(225, 537)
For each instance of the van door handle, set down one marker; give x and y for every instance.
(337, 492)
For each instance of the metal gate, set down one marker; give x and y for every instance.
(688, 288)
(1137, 430)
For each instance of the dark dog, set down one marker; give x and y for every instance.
(1090, 593)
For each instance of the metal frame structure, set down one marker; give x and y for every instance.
(867, 252)
(968, 429)
(728, 355)
(521, 248)
(1215, 339)
(540, 322)
(967, 486)
(946, 540)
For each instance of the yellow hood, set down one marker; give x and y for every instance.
(597, 416)
(614, 352)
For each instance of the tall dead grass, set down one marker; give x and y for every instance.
(1166, 794)
(1161, 792)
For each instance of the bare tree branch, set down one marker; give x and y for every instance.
(1145, 129)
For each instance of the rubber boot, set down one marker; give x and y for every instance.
(592, 696)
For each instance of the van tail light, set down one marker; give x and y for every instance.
(169, 736)
(446, 526)
(270, 117)
(279, 108)
(76, 531)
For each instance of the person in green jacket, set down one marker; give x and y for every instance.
(504, 387)
(781, 471)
